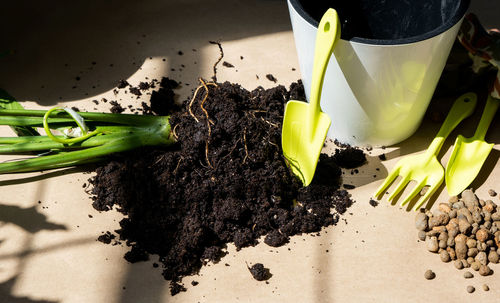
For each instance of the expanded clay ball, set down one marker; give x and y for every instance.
(468, 275)
(486, 287)
(470, 289)
(445, 256)
(493, 257)
(432, 244)
(475, 265)
(484, 270)
(482, 235)
(465, 230)
(429, 274)
(421, 221)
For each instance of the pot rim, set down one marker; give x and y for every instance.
(457, 17)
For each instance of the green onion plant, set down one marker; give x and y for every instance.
(84, 137)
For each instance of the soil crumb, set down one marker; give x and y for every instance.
(350, 157)
(123, 83)
(144, 85)
(135, 91)
(106, 237)
(270, 77)
(116, 107)
(163, 100)
(373, 202)
(225, 181)
(259, 272)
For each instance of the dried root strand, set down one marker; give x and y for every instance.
(203, 109)
(270, 123)
(221, 55)
(209, 121)
(205, 86)
(245, 143)
(191, 103)
(206, 155)
(178, 164)
(174, 133)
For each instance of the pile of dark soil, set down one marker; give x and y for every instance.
(226, 181)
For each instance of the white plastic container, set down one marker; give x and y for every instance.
(376, 91)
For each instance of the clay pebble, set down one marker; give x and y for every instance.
(429, 274)
(475, 265)
(465, 231)
(445, 256)
(432, 244)
(421, 221)
(484, 270)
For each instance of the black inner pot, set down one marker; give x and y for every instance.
(387, 21)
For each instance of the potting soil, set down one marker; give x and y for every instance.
(225, 181)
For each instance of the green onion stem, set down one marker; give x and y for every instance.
(108, 134)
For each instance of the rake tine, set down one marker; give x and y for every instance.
(400, 186)
(427, 195)
(388, 180)
(414, 192)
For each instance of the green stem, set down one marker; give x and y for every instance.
(112, 133)
(30, 121)
(127, 119)
(25, 144)
(70, 158)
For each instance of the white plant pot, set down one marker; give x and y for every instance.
(376, 91)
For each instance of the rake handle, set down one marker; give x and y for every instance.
(462, 108)
(489, 112)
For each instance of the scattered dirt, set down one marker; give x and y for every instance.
(144, 86)
(259, 272)
(350, 157)
(135, 91)
(106, 237)
(123, 83)
(163, 100)
(270, 77)
(226, 181)
(227, 64)
(116, 107)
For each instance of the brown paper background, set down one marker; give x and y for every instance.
(48, 250)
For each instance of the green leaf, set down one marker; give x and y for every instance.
(8, 102)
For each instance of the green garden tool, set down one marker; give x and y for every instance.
(424, 168)
(304, 124)
(469, 154)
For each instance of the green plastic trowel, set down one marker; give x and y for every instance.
(304, 124)
(469, 154)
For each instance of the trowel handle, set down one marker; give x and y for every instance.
(489, 112)
(327, 35)
(462, 108)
